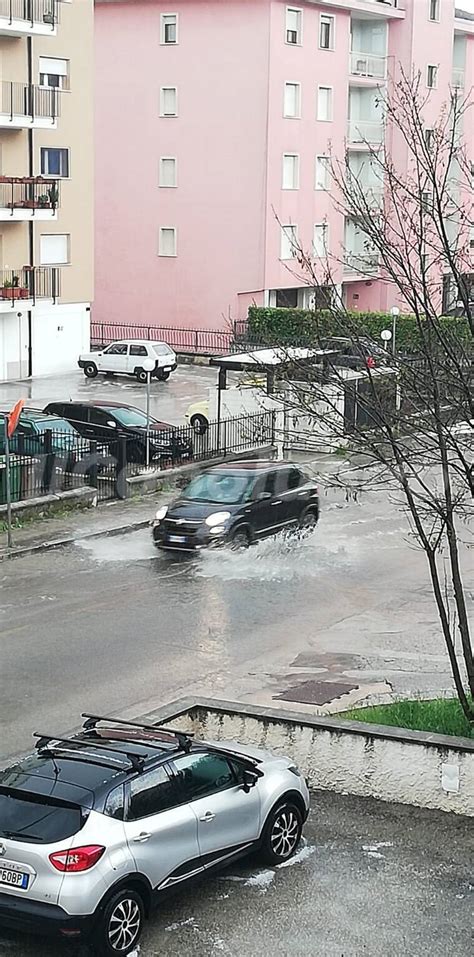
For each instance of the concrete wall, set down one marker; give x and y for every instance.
(391, 764)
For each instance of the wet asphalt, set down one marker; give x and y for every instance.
(369, 880)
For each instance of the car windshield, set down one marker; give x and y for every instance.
(227, 488)
(162, 349)
(55, 425)
(129, 416)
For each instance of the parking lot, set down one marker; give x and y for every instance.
(168, 400)
(370, 879)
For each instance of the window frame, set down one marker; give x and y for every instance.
(434, 67)
(436, 5)
(326, 187)
(294, 156)
(163, 41)
(299, 33)
(162, 185)
(329, 119)
(168, 770)
(168, 116)
(44, 150)
(325, 227)
(67, 261)
(64, 78)
(294, 229)
(332, 31)
(213, 754)
(297, 115)
(162, 229)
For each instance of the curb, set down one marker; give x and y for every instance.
(71, 540)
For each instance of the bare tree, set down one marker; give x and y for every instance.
(407, 419)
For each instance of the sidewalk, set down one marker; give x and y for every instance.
(107, 519)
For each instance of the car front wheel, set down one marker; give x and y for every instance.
(240, 539)
(282, 833)
(90, 370)
(120, 926)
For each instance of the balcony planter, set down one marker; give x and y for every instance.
(15, 292)
(30, 204)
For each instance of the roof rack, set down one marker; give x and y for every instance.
(183, 738)
(44, 740)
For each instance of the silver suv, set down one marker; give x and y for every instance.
(94, 828)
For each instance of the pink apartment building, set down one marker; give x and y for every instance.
(213, 125)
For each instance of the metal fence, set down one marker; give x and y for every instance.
(58, 461)
(33, 11)
(205, 342)
(30, 282)
(27, 100)
(28, 192)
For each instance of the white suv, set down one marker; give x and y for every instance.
(126, 358)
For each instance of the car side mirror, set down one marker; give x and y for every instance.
(249, 779)
(113, 425)
(263, 496)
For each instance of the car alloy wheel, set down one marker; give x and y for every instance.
(239, 540)
(124, 925)
(285, 832)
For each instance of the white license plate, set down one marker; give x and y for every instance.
(14, 878)
(178, 539)
(167, 369)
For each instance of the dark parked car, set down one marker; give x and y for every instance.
(237, 504)
(360, 353)
(106, 422)
(39, 432)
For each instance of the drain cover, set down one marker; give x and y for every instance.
(315, 692)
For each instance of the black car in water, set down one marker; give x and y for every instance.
(106, 422)
(237, 504)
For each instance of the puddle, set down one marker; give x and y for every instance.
(131, 547)
(283, 558)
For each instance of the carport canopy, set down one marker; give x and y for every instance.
(267, 361)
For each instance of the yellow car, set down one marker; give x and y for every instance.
(197, 414)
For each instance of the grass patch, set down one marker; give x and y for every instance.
(438, 715)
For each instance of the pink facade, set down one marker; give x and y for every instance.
(189, 206)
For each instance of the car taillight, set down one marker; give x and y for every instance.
(371, 362)
(77, 859)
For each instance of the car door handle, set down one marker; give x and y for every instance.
(278, 502)
(207, 817)
(141, 838)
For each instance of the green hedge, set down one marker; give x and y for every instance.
(295, 326)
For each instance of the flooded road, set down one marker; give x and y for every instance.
(110, 624)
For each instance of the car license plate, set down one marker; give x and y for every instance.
(14, 878)
(167, 369)
(178, 539)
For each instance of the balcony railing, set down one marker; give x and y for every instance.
(29, 283)
(26, 100)
(29, 192)
(35, 12)
(365, 131)
(457, 79)
(368, 65)
(363, 262)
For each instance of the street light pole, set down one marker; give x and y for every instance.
(394, 312)
(8, 481)
(148, 365)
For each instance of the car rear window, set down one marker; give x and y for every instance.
(162, 349)
(31, 819)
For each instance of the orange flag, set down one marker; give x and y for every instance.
(13, 417)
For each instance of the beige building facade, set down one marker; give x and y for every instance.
(46, 184)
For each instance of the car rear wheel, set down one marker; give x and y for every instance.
(308, 520)
(199, 424)
(162, 376)
(120, 925)
(90, 370)
(240, 539)
(282, 833)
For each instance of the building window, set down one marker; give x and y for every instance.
(434, 10)
(429, 138)
(167, 241)
(53, 73)
(291, 162)
(432, 77)
(54, 249)
(54, 162)
(320, 240)
(294, 19)
(168, 171)
(324, 103)
(169, 28)
(168, 101)
(288, 242)
(326, 32)
(292, 104)
(322, 172)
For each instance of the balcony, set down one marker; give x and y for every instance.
(457, 79)
(364, 133)
(20, 289)
(28, 197)
(362, 264)
(24, 106)
(367, 66)
(22, 18)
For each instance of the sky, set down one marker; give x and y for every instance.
(466, 5)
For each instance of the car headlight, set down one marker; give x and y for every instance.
(217, 518)
(161, 513)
